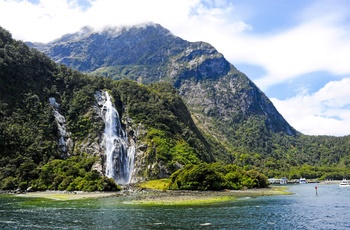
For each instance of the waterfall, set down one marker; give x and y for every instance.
(119, 157)
(61, 123)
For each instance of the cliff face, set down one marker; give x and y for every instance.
(53, 127)
(126, 47)
(221, 99)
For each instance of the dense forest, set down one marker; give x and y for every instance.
(29, 151)
(30, 155)
(215, 176)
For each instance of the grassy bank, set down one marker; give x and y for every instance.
(156, 193)
(195, 199)
(152, 196)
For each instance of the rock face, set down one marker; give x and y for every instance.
(221, 99)
(64, 141)
(120, 46)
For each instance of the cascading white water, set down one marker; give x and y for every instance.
(61, 123)
(119, 157)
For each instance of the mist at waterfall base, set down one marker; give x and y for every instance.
(301, 210)
(119, 156)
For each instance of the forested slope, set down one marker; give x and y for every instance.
(30, 154)
(154, 117)
(224, 103)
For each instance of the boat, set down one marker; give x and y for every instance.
(344, 183)
(302, 181)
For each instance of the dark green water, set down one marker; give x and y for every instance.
(330, 209)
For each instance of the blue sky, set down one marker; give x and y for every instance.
(297, 52)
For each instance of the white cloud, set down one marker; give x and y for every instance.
(318, 41)
(321, 42)
(49, 19)
(326, 112)
(39, 22)
(119, 12)
(309, 47)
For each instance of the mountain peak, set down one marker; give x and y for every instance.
(143, 44)
(111, 32)
(82, 33)
(212, 88)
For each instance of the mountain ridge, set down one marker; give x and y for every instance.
(211, 86)
(226, 123)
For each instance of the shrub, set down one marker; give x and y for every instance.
(215, 177)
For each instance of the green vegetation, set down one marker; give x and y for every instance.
(313, 157)
(172, 197)
(216, 177)
(240, 124)
(246, 145)
(72, 174)
(160, 184)
(192, 200)
(321, 173)
(29, 152)
(172, 137)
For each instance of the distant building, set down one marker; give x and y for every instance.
(282, 180)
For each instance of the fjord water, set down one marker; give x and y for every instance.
(301, 210)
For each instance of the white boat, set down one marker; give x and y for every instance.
(302, 181)
(344, 183)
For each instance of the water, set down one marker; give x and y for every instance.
(119, 157)
(303, 210)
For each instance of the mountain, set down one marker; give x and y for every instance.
(226, 106)
(223, 101)
(61, 129)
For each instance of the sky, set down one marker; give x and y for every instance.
(297, 52)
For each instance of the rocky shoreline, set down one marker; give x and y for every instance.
(162, 197)
(199, 197)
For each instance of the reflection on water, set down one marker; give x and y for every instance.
(302, 210)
